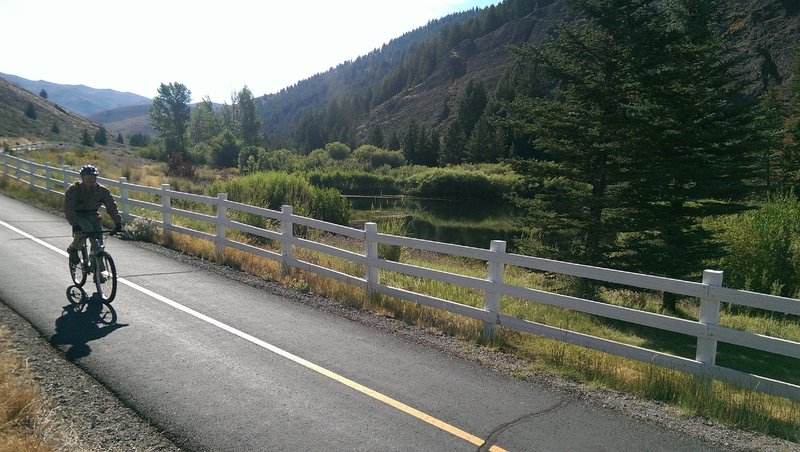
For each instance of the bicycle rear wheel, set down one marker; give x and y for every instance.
(106, 281)
(77, 271)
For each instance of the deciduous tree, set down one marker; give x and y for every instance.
(170, 115)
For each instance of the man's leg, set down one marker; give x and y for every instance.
(94, 224)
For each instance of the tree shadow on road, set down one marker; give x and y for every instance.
(82, 322)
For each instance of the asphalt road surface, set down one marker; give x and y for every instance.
(222, 366)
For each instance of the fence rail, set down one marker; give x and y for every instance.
(706, 330)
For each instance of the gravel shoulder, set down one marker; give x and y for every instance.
(94, 419)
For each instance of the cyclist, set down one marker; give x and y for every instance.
(81, 203)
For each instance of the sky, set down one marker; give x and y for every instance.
(214, 48)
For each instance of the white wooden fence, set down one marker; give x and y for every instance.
(710, 291)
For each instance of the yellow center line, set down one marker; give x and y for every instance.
(438, 423)
(320, 370)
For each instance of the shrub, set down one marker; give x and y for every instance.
(375, 157)
(764, 247)
(354, 182)
(328, 204)
(455, 183)
(271, 190)
(337, 150)
(394, 226)
(142, 229)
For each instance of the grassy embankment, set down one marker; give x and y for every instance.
(25, 422)
(730, 405)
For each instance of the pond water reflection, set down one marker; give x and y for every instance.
(470, 223)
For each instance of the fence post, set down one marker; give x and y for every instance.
(32, 174)
(123, 199)
(287, 233)
(222, 223)
(372, 274)
(709, 315)
(47, 182)
(166, 213)
(492, 297)
(64, 169)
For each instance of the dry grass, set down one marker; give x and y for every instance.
(24, 424)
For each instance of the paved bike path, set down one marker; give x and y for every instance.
(220, 365)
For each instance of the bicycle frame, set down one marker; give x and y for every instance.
(98, 263)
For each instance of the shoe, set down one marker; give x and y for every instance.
(74, 260)
(104, 275)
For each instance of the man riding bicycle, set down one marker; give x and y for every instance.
(81, 203)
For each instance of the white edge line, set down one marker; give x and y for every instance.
(278, 351)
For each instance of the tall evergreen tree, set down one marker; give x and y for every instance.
(701, 141)
(101, 136)
(642, 135)
(86, 138)
(412, 142)
(249, 124)
(375, 136)
(30, 111)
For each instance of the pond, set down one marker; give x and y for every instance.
(470, 223)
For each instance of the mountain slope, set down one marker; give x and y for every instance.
(766, 32)
(15, 101)
(81, 99)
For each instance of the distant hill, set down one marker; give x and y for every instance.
(128, 120)
(52, 122)
(79, 98)
(420, 75)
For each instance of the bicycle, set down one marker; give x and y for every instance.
(106, 280)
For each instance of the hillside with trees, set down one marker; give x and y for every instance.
(418, 79)
(27, 115)
(80, 99)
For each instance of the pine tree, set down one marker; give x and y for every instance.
(642, 136)
(30, 111)
(249, 124)
(412, 144)
(375, 136)
(701, 143)
(101, 136)
(86, 138)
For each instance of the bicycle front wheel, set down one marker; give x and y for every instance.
(106, 280)
(78, 271)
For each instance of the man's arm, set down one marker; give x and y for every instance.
(111, 206)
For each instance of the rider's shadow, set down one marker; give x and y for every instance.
(83, 322)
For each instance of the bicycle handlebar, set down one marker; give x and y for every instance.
(102, 231)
